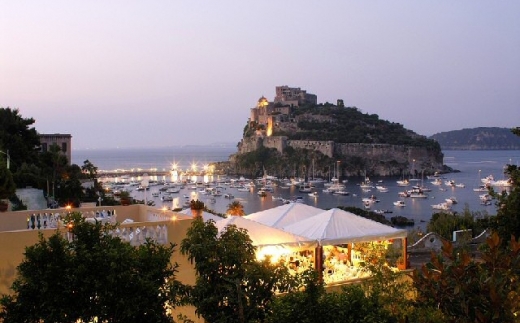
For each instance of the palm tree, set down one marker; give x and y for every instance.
(235, 208)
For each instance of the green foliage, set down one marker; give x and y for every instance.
(17, 136)
(92, 275)
(314, 304)
(7, 185)
(466, 290)
(197, 205)
(231, 285)
(349, 125)
(235, 208)
(444, 223)
(29, 175)
(90, 169)
(17, 204)
(507, 222)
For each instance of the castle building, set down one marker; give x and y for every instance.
(62, 140)
(266, 113)
(294, 96)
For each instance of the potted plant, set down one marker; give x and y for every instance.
(7, 187)
(196, 207)
(125, 198)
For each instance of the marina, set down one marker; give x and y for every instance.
(260, 194)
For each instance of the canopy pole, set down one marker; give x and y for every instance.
(318, 261)
(405, 252)
(349, 253)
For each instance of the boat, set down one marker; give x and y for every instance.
(313, 194)
(155, 194)
(403, 182)
(399, 203)
(502, 183)
(419, 194)
(173, 190)
(298, 199)
(442, 206)
(341, 192)
(481, 188)
(371, 199)
(403, 194)
(451, 200)
(437, 181)
(460, 185)
(435, 175)
(381, 188)
(166, 198)
(449, 182)
(229, 196)
(305, 188)
(485, 197)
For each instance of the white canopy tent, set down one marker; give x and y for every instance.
(336, 226)
(263, 235)
(284, 215)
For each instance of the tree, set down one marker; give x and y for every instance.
(7, 185)
(507, 222)
(18, 137)
(235, 208)
(89, 169)
(231, 285)
(380, 299)
(466, 290)
(92, 276)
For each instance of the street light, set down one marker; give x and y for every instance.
(8, 157)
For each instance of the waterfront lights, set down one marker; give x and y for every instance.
(145, 182)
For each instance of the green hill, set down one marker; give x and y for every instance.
(347, 125)
(482, 138)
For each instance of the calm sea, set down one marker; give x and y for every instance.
(472, 166)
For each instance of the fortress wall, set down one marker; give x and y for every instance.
(325, 147)
(249, 144)
(390, 160)
(277, 142)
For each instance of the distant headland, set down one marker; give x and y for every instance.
(481, 138)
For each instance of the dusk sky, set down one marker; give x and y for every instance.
(164, 73)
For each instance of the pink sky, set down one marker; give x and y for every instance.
(161, 73)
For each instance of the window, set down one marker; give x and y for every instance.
(64, 147)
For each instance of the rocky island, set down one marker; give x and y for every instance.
(294, 136)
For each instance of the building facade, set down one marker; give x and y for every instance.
(64, 141)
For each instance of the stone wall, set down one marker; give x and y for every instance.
(325, 147)
(391, 160)
(249, 144)
(375, 159)
(277, 142)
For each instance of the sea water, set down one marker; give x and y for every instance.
(471, 166)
